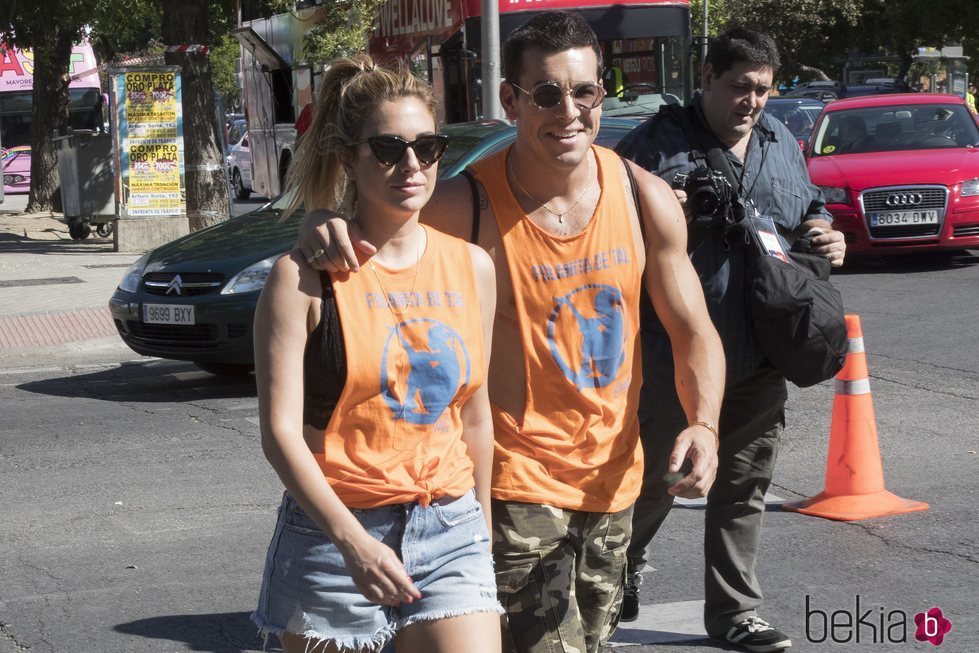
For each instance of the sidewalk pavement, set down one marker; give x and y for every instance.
(53, 290)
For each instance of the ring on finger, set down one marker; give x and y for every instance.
(315, 255)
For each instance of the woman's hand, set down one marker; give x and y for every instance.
(378, 573)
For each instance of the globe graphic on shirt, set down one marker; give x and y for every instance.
(423, 366)
(591, 320)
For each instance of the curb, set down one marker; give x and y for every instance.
(42, 329)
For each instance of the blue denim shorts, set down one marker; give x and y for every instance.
(307, 590)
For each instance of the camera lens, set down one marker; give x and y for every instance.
(704, 203)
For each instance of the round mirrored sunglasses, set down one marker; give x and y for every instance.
(548, 95)
(388, 150)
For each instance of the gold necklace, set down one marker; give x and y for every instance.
(560, 215)
(399, 319)
(399, 316)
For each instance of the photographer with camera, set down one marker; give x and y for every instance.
(725, 159)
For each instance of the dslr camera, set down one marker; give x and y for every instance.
(712, 200)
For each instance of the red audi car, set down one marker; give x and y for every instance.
(900, 172)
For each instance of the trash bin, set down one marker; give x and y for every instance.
(87, 182)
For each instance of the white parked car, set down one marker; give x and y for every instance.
(240, 167)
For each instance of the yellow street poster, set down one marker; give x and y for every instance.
(148, 104)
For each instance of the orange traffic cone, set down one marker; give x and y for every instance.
(854, 475)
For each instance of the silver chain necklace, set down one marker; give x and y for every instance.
(560, 214)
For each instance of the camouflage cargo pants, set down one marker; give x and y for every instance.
(560, 576)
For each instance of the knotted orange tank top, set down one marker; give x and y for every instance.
(414, 348)
(576, 445)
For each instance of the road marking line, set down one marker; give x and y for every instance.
(190, 376)
(29, 370)
(679, 502)
(662, 623)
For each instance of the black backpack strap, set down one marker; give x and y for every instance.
(474, 235)
(635, 197)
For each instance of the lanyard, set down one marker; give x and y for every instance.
(744, 167)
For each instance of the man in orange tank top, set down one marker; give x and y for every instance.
(573, 255)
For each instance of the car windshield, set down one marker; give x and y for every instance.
(798, 117)
(462, 138)
(895, 128)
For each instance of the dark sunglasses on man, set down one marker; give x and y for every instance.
(388, 150)
(548, 95)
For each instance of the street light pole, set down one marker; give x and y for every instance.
(703, 44)
(490, 69)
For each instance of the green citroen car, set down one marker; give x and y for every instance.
(194, 298)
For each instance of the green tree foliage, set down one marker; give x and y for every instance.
(344, 31)
(811, 34)
(126, 28)
(224, 54)
(816, 35)
(902, 27)
(718, 16)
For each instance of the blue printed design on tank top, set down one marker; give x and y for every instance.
(438, 366)
(599, 314)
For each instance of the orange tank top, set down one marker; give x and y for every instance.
(414, 349)
(577, 302)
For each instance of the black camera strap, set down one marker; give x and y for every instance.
(714, 157)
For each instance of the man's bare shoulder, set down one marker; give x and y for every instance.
(646, 179)
(450, 209)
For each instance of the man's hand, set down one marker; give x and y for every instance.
(829, 243)
(681, 196)
(327, 242)
(698, 444)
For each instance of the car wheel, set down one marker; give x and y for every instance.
(234, 370)
(241, 192)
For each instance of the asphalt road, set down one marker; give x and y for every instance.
(137, 506)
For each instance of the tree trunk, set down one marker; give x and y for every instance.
(52, 57)
(185, 23)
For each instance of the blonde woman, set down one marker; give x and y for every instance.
(372, 396)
